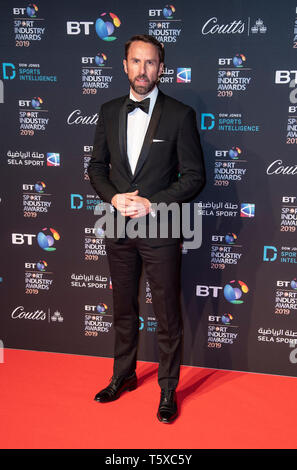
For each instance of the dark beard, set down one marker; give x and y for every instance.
(142, 89)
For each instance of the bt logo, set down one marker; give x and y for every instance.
(22, 238)
(287, 284)
(234, 153)
(167, 11)
(36, 103)
(95, 231)
(100, 59)
(230, 238)
(288, 199)
(225, 319)
(100, 308)
(40, 265)
(31, 10)
(285, 76)
(233, 291)
(104, 26)
(39, 187)
(46, 238)
(237, 61)
(205, 291)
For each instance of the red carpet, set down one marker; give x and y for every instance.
(46, 401)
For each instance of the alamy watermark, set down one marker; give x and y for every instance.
(164, 221)
(293, 353)
(1, 351)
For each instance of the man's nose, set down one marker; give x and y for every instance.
(142, 68)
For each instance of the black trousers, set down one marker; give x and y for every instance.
(162, 266)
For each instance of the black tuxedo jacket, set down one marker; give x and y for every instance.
(170, 165)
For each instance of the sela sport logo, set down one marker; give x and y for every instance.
(183, 75)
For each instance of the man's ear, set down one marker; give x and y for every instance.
(125, 66)
(161, 69)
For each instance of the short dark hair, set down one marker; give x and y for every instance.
(149, 39)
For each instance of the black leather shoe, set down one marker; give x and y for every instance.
(116, 387)
(167, 411)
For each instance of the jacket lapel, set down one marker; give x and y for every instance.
(154, 121)
(123, 136)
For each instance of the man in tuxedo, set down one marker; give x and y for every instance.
(146, 151)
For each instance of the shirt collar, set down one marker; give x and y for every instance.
(152, 95)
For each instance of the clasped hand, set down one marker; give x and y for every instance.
(132, 205)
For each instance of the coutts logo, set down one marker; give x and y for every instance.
(212, 26)
(76, 117)
(277, 168)
(19, 313)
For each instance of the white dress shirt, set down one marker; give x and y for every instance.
(137, 124)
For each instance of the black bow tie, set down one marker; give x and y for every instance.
(144, 105)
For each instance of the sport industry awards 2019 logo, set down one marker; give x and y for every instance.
(96, 73)
(229, 166)
(233, 75)
(225, 250)
(38, 277)
(32, 116)
(35, 199)
(28, 25)
(164, 24)
(98, 319)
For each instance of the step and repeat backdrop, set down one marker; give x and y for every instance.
(235, 63)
